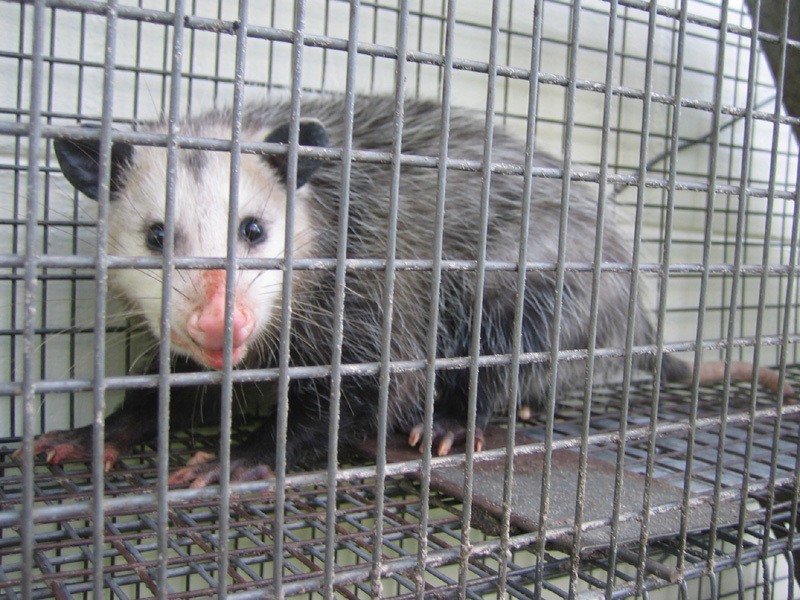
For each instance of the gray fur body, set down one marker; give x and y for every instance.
(313, 295)
(369, 208)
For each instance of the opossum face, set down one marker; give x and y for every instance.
(202, 190)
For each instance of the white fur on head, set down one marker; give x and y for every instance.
(201, 217)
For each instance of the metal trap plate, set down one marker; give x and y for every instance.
(598, 504)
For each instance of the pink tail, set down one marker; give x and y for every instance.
(714, 372)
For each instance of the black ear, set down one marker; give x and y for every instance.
(80, 163)
(312, 133)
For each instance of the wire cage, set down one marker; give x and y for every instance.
(680, 114)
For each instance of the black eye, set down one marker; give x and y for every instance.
(155, 237)
(252, 231)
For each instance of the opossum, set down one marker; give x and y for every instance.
(136, 228)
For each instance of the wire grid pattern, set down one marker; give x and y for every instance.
(63, 544)
(59, 265)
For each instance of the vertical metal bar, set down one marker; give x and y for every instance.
(192, 52)
(780, 81)
(387, 302)
(325, 33)
(507, 58)
(101, 279)
(73, 293)
(730, 202)
(552, 393)
(608, 98)
(270, 46)
(218, 58)
(30, 303)
(338, 320)
(45, 240)
(286, 296)
(373, 61)
(420, 35)
(433, 309)
(519, 306)
(17, 194)
(231, 271)
(164, 62)
(595, 295)
(634, 298)
(623, 54)
(442, 33)
(137, 71)
(477, 307)
(739, 255)
(673, 167)
(168, 267)
(707, 242)
(623, 417)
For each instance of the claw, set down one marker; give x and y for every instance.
(446, 443)
(110, 456)
(447, 432)
(203, 469)
(181, 476)
(200, 458)
(190, 472)
(415, 435)
(202, 482)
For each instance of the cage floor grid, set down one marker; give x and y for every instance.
(761, 531)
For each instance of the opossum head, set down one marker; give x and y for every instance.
(136, 215)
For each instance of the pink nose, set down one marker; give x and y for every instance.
(206, 326)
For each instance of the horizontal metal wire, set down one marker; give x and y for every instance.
(378, 157)
(244, 375)
(70, 261)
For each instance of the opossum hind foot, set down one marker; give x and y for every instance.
(61, 446)
(203, 470)
(446, 433)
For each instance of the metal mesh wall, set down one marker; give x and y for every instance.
(627, 490)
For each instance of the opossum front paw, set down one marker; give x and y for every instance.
(446, 433)
(203, 469)
(75, 444)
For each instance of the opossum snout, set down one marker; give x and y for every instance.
(206, 328)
